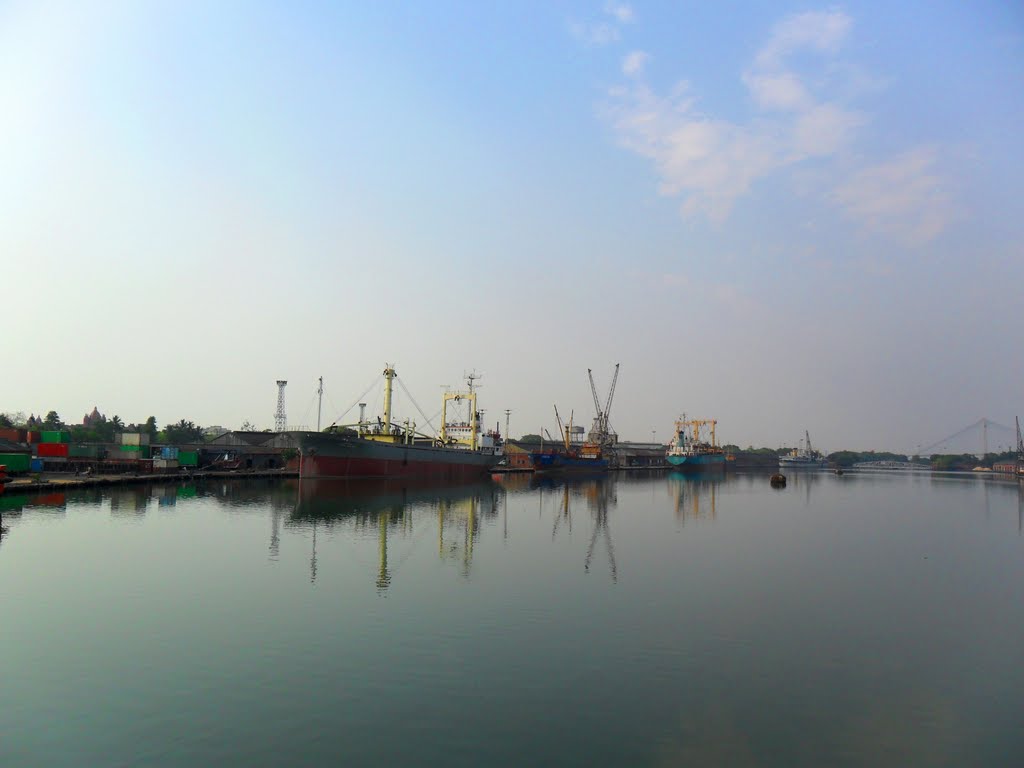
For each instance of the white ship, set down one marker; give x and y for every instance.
(805, 456)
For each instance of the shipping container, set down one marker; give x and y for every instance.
(32, 436)
(134, 438)
(165, 464)
(84, 451)
(13, 434)
(52, 450)
(55, 436)
(15, 462)
(169, 452)
(188, 458)
(35, 464)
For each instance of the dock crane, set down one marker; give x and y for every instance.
(600, 432)
(1020, 449)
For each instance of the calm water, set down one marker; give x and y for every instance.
(653, 620)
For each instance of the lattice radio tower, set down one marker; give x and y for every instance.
(280, 420)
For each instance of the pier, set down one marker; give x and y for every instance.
(66, 481)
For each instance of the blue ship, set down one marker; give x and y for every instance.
(693, 446)
(561, 462)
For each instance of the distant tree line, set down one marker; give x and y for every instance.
(104, 430)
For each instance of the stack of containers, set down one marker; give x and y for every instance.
(15, 457)
(132, 446)
(54, 446)
(167, 461)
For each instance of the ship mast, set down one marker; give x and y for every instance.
(319, 402)
(389, 374)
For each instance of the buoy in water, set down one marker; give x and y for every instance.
(839, 470)
(778, 480)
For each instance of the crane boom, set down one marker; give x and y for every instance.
(611, 394)
(593, 390)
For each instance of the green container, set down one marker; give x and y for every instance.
(132, 452)
(53, 436)
(84, 451)
(188, 458)
(15, 462)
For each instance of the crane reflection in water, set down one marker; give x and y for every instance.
(399, 509)
(598, 493)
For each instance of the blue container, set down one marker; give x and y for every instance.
(169, 452)
(35, 465)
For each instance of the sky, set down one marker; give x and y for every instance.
(783, 216)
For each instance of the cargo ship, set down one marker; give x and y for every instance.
(560, 462)
(804, 457)
(693, 446)
(585, 457)
(388, 449)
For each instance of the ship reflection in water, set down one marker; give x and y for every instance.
(694, 495)
(397, 509)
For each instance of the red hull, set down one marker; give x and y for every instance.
(330, 466)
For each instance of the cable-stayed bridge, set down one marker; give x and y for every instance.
(981, 437)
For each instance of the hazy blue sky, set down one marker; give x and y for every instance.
(785, 216)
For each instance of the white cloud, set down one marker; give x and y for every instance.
(594, 34)
(622, 12)
(821, 31)
(904, 197)
(634, 63)
(782, 91)
(603, 32)
(824, 130)
(708, 163)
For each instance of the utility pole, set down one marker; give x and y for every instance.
(508, 412)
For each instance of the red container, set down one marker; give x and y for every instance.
(33, 437)
(12, 434)
(52, 450)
